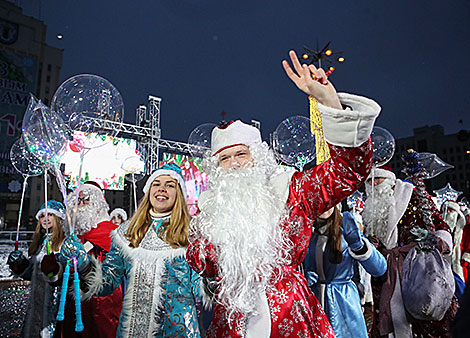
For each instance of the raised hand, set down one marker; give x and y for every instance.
(312, 81)
(72, 246)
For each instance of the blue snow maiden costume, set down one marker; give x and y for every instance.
(161, 292)
(333, 284)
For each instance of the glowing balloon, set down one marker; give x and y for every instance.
(134, 168)
(294, 142)
(383, 145)
(23, 160)
(44, 132)
(86, 101)
(200, 139)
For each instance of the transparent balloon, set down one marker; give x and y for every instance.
(432, 165)
(134, 167)
(200, 139)
(383, 145)
(446, 194)
(23, 160)
(293, 142)
(44, 132)
(85, 102)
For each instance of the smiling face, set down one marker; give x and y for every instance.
(50, 220)
(236, 157)
(162, 193)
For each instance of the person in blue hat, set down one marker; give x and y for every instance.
(43, 302)
(149, 250)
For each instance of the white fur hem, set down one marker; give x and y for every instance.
(94, 279)
(446, 237)
(466, 257)
(349, 128)
(364, 256)
(207, 300)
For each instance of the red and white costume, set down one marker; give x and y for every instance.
(291, 309)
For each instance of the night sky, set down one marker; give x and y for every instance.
(204, 57)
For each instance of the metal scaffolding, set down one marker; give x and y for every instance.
(146, 132)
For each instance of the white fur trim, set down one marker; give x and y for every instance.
(281, 184)
(446, 237)
(118, 211)
(382, 173)
(259, 326)
(94, 279)
(453, 205)
(207, 300)
(349, 128)
(364, 256)
(59, 214)
(169, 172)
(402, 196)
(466, 257)
(236, 133)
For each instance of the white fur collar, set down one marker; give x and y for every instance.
(402, 195)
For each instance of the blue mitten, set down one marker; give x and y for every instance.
(351, 232)
(71, 247)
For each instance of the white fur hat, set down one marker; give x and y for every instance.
(235, 133)
(171, 170)
(382, 172)
(119, 211)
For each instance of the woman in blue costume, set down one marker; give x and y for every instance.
(43, 301)
(336, 244)
(149, 250)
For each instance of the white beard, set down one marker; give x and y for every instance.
(241, 217)
(376, 221)
(88, 216)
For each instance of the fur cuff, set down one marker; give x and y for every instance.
(93, 280)
(466, 257)
(365, 255)
(206, 295)
(446, 237)
(349, 128)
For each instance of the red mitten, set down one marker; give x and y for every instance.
(49, 265)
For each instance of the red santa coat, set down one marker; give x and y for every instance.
(100, 315)
(293, 308)
(465, 249)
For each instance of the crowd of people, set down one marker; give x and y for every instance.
(266, 255)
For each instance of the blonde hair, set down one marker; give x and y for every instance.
(57, 236)
(174, 232)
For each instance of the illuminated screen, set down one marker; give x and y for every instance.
(195, 178)
(102, 163)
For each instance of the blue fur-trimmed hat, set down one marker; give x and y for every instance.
(170, 169)
(53, 207)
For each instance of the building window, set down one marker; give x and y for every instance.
(38, 187)
(461, 176)
(451, 150)
(457, 149)
(459, 158)
(49, 67)
(46, 90)
(454, 176)
(48, 78)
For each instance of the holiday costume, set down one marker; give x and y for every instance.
(335, 288)
(161, 290)
(42, 308)
(413, 208)
(160, 298)
(456, 222)
(465, 247)
(290, 308)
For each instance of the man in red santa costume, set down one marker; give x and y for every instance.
(93, 227)
(254, 228)
(465, 247)
(396, 208)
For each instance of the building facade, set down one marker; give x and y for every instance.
(27, 65)
(453, 149)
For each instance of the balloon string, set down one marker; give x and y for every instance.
(135, 195)
(61, 183)
(46, 213)
(77, 191)
(25, 179)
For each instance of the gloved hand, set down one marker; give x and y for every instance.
(71, 247)
(17, 262)
(49, 265)
(351, 232)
